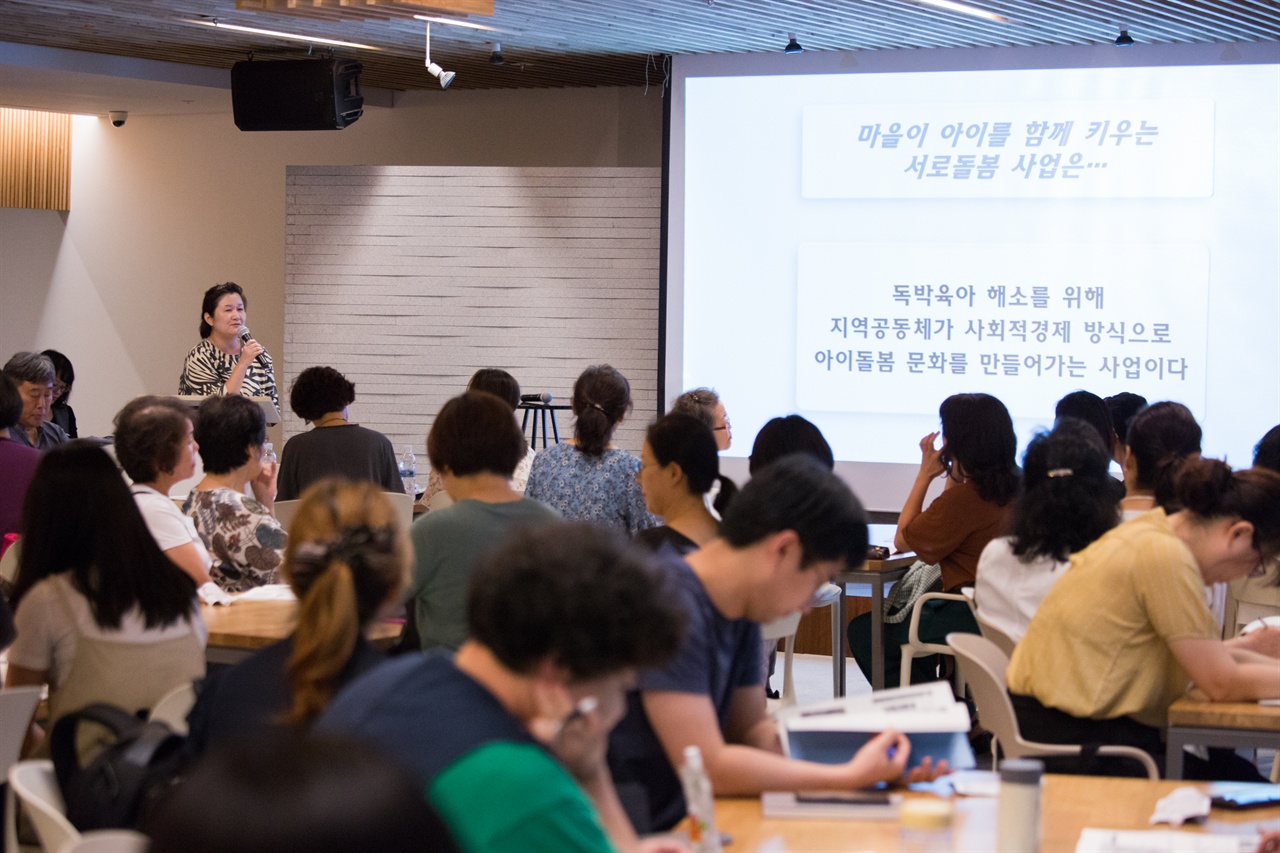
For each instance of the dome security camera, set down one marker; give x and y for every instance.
(118, 117)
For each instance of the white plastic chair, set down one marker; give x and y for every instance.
(17, 704)
(1002, 640)
(9, 562)
(174, 706)
(35, 786)
(984, 667)
(915, 648)
(110, 841)
(404, 508)
(784, 629)
(285, 511)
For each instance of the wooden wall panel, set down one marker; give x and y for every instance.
(35, 159)
(408, 279)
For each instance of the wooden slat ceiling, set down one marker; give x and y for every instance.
(550, 43)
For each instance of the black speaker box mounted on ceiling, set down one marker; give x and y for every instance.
(296, 94)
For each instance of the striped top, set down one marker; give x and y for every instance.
(206, 369)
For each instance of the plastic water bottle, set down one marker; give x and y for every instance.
(268, 454)
(409, 471)
(701, 802)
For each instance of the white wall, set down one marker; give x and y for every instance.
(168, 205)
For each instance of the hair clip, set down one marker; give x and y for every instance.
(1060, 472)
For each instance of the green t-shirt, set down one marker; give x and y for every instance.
(508, 796)
(446, 545)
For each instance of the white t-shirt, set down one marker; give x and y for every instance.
(168, 526)
(47, 635)
(1007, 590)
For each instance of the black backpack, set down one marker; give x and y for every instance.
(123, 781)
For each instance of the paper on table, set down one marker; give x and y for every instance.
(211, 593)
(1164, 840)
(1181, 805)
(270, 592)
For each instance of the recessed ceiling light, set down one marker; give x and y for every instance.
(282, 35)
(966, 10)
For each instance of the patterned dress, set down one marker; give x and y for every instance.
(206, 370)
(244, 539)
(600, 489)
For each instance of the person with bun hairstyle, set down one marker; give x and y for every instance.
(1066, 503)
(588, 479)
(1159, 437)
(977, 458)
(1122, 633)
(347, 561)
(678, 464)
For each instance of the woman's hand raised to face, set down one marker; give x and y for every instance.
(931, 465)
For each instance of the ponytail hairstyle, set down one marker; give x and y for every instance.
(1160, 437)
(601, 397)
(979, 435)
(1067, 500)
(1209, 489)
(347, 556)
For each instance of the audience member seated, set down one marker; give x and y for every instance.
(33, 374)
(297, 795)
(589, 479)
(1160, 437)
(1093, 410)
(678, 464)
(475, 445)
(505, 387)
(1123, 407)
(1125, 630)
(1266, 453)
(347, 561)
(155, 444)
(783, 436)
(1261, 588)
(977, 459)
(507, 738)
(17, 460)
(222, 363)
(61, 412)
(101, 614)
(334, 448)
(241, 532)
(1066, 503)
(789, 530)
(705, 405)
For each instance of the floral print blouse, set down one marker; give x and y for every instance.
(600, 489)
(243, 537)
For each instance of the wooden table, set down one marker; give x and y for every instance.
(877, 573)
(237, 630)
(1230, 724)
(1069, 804)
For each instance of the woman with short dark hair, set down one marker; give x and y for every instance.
(1160, 437)
(678, 464)
(977, 460)
(155, 444)
(241, 532)
(64, 377)
(1066, 503)
(588, 479)
(223, 363)
(102, 614)
(474, 444)
(334, 447)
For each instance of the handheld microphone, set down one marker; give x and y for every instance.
(245, 337)
(544, 397)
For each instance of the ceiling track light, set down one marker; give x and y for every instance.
(496, 57)
(445, 77)
(793, 46)
(1124, 39)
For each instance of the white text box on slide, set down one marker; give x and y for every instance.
(895, 328)
(1056, 149)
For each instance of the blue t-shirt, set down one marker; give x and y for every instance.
(718, 656)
